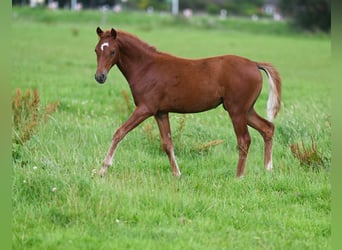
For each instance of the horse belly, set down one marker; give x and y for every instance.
(191, 100)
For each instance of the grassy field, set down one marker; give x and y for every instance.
(59, 202)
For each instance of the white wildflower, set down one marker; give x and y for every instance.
(93, 172)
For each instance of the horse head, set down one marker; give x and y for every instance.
(107, 52)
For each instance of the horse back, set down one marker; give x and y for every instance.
(189, 86)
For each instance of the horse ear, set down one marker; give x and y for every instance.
(113, 33)
(99, 31)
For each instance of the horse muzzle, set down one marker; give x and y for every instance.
(101, 78)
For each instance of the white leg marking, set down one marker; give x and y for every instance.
(103, 171)
(178, 173)
(269, 166)
(108, 161)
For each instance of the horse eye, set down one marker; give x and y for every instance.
(112, 53)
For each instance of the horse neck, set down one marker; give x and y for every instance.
(134, 55)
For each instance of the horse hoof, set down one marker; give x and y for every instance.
(240, 177)
(102, 172)
(178, 174)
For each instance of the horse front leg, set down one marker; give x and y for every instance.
(139, 115)
(165, 134)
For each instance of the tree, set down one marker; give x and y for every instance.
(308, 14)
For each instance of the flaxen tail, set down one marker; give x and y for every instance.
(274, 98)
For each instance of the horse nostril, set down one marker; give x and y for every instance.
(101, 78)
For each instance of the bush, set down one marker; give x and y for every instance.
(308, 14)
(309, 157)
(213, 9)
(27, 115)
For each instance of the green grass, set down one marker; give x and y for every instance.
(58, 201)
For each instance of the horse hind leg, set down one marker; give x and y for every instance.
(243, 140)
(266, 129)
(165, 134)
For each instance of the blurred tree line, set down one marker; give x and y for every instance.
(307, 14)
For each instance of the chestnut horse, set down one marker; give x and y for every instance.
(161, 83)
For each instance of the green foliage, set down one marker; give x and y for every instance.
(144, 4)
(151, 22)
(309, 15)
(235, 7)
(59, 201)
(213, 9)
